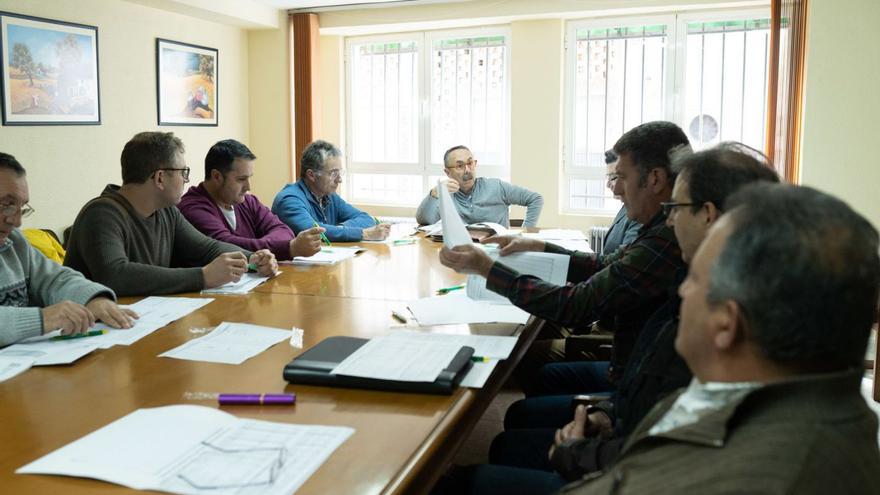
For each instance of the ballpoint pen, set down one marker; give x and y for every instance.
(93, 333)
(324, 238)
(447, 290)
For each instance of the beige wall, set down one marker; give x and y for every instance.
(842, 103)
(68, 165)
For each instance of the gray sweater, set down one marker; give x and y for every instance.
(113, 244)
(30, 281)
(489, 201)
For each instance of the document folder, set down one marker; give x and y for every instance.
(313, 367)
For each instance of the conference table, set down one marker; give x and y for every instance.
(402, 442)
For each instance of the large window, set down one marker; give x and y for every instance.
(411, 97)
(708, 73)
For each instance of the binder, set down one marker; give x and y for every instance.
(313, 367)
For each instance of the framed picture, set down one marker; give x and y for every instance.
(186, 83)
(49, 72)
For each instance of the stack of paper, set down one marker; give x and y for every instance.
(400, 359)
(328, 256)
(196, 450)
(549, 267)
(229, 343)
(247, 283)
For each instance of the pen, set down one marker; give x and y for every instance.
(256, 399)
(447, 290)
(376, 220)
(479, 359)
(399, 317)
(92, 333)
(400, 242)
(252, 267)
(323, 237)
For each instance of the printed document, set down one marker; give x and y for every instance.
(454, 231)
(328, 256)
(489, 346)
(52, 352)
(11, 366)
(154, 313)
(400, 359)
(247, 282)
(196, 450)
(456, 307)
(549, 267)
(229, 343)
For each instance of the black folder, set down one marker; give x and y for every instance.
(313, 367)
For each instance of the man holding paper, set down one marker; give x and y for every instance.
(133, 239)
(38, 295)
(627, 285)
(478, 199)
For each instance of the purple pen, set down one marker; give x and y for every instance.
(256, 399)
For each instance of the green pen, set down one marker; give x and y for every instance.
(447, 290)
(252, 267)
(399, 242)
(92, 333)
(479, 359)
(323, 237)
(376, 220)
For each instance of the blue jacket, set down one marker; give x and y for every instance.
(296, 206)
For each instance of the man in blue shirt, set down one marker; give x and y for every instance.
(623, 230)
(313, 199)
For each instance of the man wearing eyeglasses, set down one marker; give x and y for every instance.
(312, 200)
(478, 199)
(38, 295)
(623, 230)
(133, 239)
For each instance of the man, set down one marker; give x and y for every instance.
(627, 285)
(313, 200)
(221, 208)
(775, 317)
(38, 295)
(132, 239)
(705, 180)
(478, 199)
(623, 230)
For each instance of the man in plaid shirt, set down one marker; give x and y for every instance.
(626, 286)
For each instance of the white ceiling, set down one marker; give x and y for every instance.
(309, 4)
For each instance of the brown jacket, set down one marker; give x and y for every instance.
(810, 435)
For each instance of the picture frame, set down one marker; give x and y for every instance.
(49, 72)
(186, 83)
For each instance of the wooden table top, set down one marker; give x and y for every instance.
(401, 441)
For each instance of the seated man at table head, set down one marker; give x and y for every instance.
(132, 238)
(775, 316)
(38, 295)
(221, 208)
(478, 199)
(312, 200)
(622, 230)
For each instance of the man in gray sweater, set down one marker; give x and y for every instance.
(478, 199)
(36, 294)
(134, 240)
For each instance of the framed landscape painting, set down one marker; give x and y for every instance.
(186, 83)
(49, 71)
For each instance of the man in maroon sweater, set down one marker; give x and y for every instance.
(221, 208)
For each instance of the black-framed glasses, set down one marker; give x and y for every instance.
(670, 206)
(10, 210)
(184, 172)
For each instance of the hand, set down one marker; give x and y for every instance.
(599, 425)
(572, 431)
(307, 243)
(466, 259)
(107, 311)
(377, 232)
(451, 185)
(228, 267)
(267, 265)
(69, 316)
(510, 244)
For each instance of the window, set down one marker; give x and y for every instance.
(706, 72)
(411, 97)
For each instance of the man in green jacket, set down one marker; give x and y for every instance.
(775, 317)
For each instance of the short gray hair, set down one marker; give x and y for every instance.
(804, 269)
(315, 156)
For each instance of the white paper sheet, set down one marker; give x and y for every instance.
(397, 232)
(327, 256)
(52, 352)
(11, 366)
(398, 359)
(478, 374)
(454, 231)
(153, 314)
(549, 267)
(456, 307)
(497, 228)
(247, 282)
(489, 346)
(229, 343)
(572, 245)
(560, 234)
(196, 450)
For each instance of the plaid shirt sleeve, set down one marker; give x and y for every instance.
(609, 284)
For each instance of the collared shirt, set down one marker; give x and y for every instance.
(699, 400)
(488, 201)
(298, 207)
(629, 284)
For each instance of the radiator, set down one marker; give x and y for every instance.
(597, 238)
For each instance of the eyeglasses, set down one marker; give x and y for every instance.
(459, 166)
(10, 210)
(670, 206)
(612, 177)
(334, 174)
(184, 172)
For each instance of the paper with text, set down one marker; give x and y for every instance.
(196, 450)
(549, 267)
(454, 231)
(11, 366)
(153, 314)
(52, 352)
(247, 283)
(386, 358)
(478, 374)
(327, 256)
(229, 343)
(490, 346)
(457, 308)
